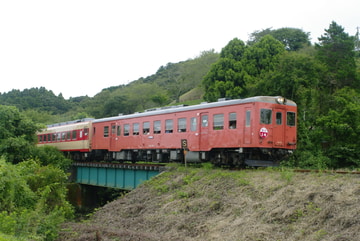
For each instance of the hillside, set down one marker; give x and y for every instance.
(213, 204)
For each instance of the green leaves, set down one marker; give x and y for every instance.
(17, 134)
(322, 80)
(341, 128)
(240, 67)
(336, 51)
(32, 200)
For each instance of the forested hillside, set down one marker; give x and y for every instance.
(322, 78)
(164, 87)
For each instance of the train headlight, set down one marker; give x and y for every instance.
(280, 100)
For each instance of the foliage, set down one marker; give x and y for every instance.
(341, 128)
(261, 59)
(36, 98)
(272, 62)
(323, 81)
(163, 88)
(226, 78)
(32, 200)
(295, 77)
(32, 193)
(49, 155)
(17, 134)
(240, 68)
(292, 38)
(336, 51)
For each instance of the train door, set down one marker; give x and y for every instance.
(248, 126)
(204, 131)
(279, 128)
(113, 137)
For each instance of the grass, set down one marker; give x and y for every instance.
(215, 204)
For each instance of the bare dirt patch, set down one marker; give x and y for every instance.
(207, 204)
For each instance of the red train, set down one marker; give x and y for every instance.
(256, 131)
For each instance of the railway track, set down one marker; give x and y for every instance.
(157, 166)
(327, 171)
(135, 166)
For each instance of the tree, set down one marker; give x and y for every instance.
(292, 38)
(260, 60)
(336, 51)
(339, 129)
(263, 55)
(32, 200)
(36, 98)
(257, 35)
(17, 134)
(240, 69)
(296, 77)
(226, 76)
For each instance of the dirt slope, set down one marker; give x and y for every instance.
(205, 204)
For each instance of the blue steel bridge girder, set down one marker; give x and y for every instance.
(122, 176)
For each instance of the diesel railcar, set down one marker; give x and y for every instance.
(72, 138)
(256, 131)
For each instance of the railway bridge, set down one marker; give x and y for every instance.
(114, 175)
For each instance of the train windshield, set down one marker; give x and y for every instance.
(265, 116)
(290, 118)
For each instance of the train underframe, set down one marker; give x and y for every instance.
(233, 157)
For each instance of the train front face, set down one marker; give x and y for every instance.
(275, 132)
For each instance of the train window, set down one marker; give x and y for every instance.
(248, 118)
(49, 137)
(118, 130)
(126, 129)
(157, 127)
(204, 121)
(68, 135)
(136, 127)
(63, 136)
(290, 118)
(113, 129)
(182, 125)
(44, 138)
(193, 124)
(146, 128)
(86, 131)
(265, 116)
(106, 131)
(278, 118)
(74, 135)
(169, 126)
(40, 138)
(53, 137)
(218, 123)
(232, 120)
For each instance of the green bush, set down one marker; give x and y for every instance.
(32, 200)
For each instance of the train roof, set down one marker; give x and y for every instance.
(71, 122)
(182, 108)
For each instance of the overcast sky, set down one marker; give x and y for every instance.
(79, 47)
